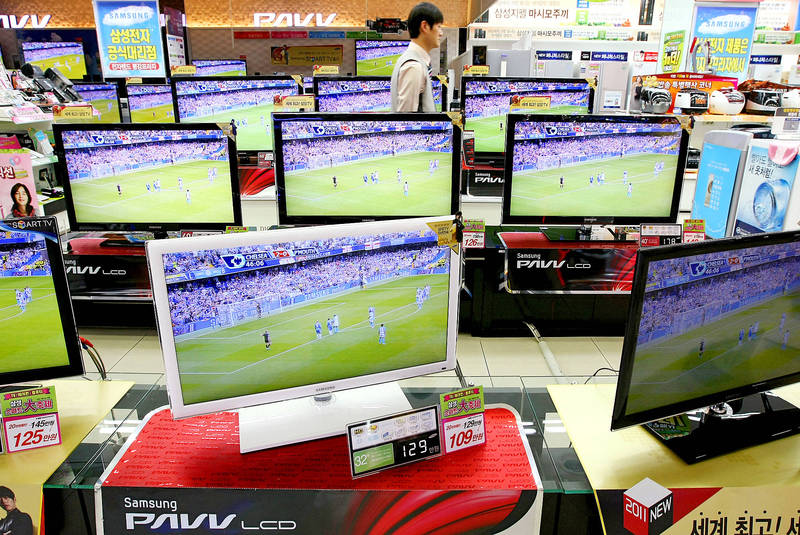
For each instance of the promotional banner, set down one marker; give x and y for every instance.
(769, 175)
(729, 29)
(17, 187)
(307, 55)
(716, 179)
(129, 38)
(674, 83)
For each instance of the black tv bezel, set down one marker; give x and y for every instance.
(321, 219)
(71, 341)
(514, 118)
(355, 49)
(319, 79)
(175, 80)
(222, 59)
(169, 90)
(116, 91)
(619, 418)
(498, 156)
(154, 226)
(85, 77)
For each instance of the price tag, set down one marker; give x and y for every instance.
(394, 440)
(666, 234)
(462, 419)
(317, 70)
(474, 234)
(479, 70)
(694, 230)
(30, 419)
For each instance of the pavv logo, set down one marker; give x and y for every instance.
(697, 268)
(234, 261)
(647, 508)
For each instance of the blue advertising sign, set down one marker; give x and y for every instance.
(129, 38)
(729, 30)
(554, 55)
(609, 56)
(765, 60)
(716, 179)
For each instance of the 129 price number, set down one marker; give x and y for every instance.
(34, 432)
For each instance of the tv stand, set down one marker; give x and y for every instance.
(699, 435)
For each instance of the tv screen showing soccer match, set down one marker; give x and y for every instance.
(150, 104)
(104, 99)
(35, 306)
(248, 102)
(362, 94)
(564, 169)
(220, 67)
(139, 176)
(709, 323)
(486, 102)
(391, 165)
(377, 58)
(273, 312)
(65, 56)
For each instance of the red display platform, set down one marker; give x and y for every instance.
(183, 472)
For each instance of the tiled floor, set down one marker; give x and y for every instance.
(489, 361)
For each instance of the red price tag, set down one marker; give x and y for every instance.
(31, 432)
(474, 240)
(464, 432)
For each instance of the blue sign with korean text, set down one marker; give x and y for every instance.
(765, 60)
(609, 56)
(716, 179)
(129, 38)
(552, 55)
(729, 30)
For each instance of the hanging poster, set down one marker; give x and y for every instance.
(729, 30)
(129, 38)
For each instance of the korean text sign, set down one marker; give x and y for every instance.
(129, 38)
(729, 30)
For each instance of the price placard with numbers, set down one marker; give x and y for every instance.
(30, 419)
(474, 234)
(462, 419)
(394, 440)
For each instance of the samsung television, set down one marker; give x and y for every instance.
(364, 93)
(342, 167)
(220, 67)
(377, 58)
(485, 101)
(65, 56)
(42, 341)
(713, 324)
(262, 317)
(104, 99)
(593, 169)
(139, 177)
(247, 101)
(151, 103)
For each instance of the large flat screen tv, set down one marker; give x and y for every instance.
(138, 177)
(593, 168)
(151, 103)
(220, 67)
(248, 101)
(713, 323)
(377, 58)
(65, 56)
(342, 167)
(485, 101)
(42, 341)
(364, 93)
(104, 99)
(260, 317)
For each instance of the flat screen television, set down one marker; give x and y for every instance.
(261, 317)
(246, 100)
(67, 57)
(485, 101)
(139, 177)
(712, 323)
(308, 85)
(104, 99)
(42, 341)
(220, 67)
(377, 58)
(364, 93)
(335, 167)
(151, 103)
(593, 169)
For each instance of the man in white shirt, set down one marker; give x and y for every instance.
(411, 79)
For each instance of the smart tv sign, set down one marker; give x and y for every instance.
(647, 508)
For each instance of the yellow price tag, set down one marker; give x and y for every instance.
(184, 69)
(325, 69)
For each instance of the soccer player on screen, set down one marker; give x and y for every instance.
(591, 180)
(188, 197)
(382, 334)
(318, 329)
(148, 188)
(330, 327)
(624, 177)
(785, 338)
(405, 188)
(399, 175)
(741, 336)
(702, 348)
(561, 182)
(267, 339)
(783, 322)
(334, 181)
(365, 180)
(372, 317)
(119, 190)
(630, 189)
(180, 183)
(336, 323)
